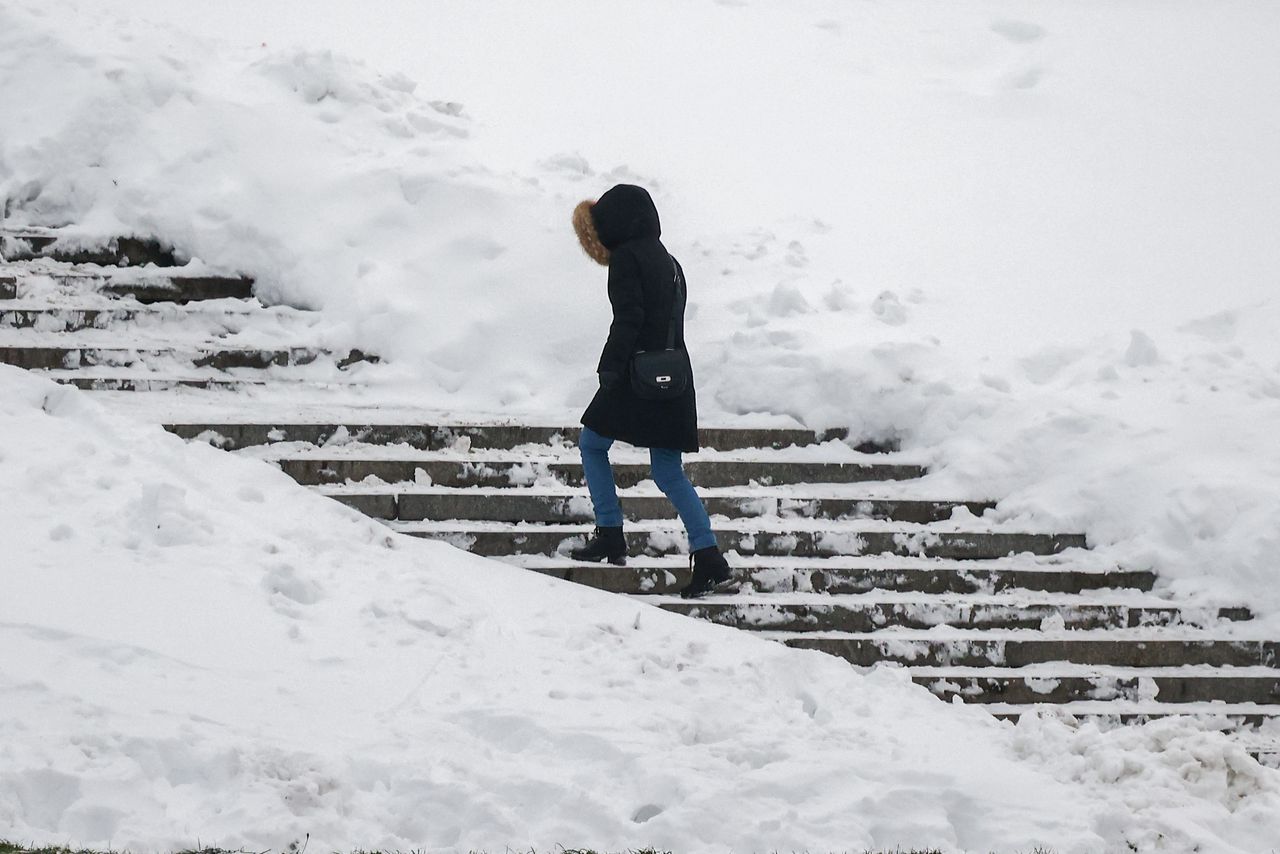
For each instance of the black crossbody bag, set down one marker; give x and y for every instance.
(663, 374)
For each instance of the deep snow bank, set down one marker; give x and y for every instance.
(1035, 241)
(195, 648)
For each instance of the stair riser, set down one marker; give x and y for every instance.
(81, 319)
(869, 617)
(1240, 720)
(120, 252)
(517, 508)
(458, 473)
(146, 385)
(642, 580)
(46, 358)
(170, 290)
(166, 291)
(183, 289)
(1167, 689)
(8, 287)
(798, 544)
(488, 437)
(62, 321)
(865, 652)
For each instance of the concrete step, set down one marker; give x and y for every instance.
(66, 247)
(65, 319)
(128, 318)
(181, 289)
(869, 612)
(749, 537)
(434, 437)
(148, 288)
(8, 288)
(496, 471)
(222, 359)
(1071, 683)
(840, 576)
(531, 505)
(1132, 648)
(1129, 712)
(138, 380)
(149, 382)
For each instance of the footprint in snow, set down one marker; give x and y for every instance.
(1218, 328)
(1026, 78)
(889, 310)
(1018, 32)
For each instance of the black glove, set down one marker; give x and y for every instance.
(609, 379)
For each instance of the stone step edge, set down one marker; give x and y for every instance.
(148, 382)
(170, 348)
(163, 347)
(151, 289)
(832, 538)
(954, 636)
(69, 305)
(1146, 646)
(833, 601)
(742, 527)
(849, 563)
(1035, 691)
(361, 452)
(525, 504)
(771, 492)
(389, 467)
(1110, 708)
(1072, 670)
(444, 434)
(836, 564)
(80, 248)
(929, 610)
(125, 312)
(108, 279)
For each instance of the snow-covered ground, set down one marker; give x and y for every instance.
(195, 648)
(1036, 242)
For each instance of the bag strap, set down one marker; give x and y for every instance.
(677, 303)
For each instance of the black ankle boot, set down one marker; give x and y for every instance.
(710, 571)
(605, 544)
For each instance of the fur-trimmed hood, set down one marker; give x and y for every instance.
(626, 212)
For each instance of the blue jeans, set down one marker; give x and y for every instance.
(668, 474)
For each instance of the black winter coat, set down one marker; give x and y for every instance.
(642, 290)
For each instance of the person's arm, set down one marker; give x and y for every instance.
(627, 299)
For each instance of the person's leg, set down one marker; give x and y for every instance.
(599, 475)
(668, 474)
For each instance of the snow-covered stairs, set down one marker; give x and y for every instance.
(836, 547)
(97, 320)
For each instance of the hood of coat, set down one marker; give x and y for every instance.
(626, 212)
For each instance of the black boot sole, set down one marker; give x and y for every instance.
(725, 585)
(615, 561)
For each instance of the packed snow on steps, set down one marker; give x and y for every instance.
(1043, 250)
(196, 648)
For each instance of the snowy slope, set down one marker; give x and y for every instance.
(195, 648)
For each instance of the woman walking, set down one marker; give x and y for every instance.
(647, 408)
